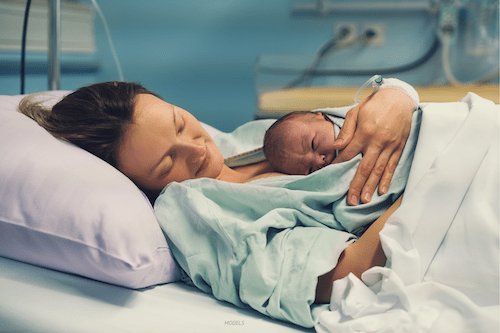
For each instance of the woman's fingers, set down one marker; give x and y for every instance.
(386, 179)
(375, 169)
(346, 133)
(360, 187)
(353, 148)
(392, 161)
(376, 174)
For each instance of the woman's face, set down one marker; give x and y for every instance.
(165, 144)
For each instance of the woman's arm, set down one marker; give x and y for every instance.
(358, 257)
(378, 128)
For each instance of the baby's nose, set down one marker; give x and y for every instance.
(320, 160)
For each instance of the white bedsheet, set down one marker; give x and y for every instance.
(38, 300)
(442, 244)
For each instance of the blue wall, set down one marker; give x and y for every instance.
(201, 54)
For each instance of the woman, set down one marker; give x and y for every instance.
(155, 143)
(97, 117)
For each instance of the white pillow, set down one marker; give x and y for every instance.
(63, 208)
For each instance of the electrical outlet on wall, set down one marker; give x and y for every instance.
(373, 34)
(347, 34)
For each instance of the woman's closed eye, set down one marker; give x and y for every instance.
(168, 166)
(179, 122)
(181, 127)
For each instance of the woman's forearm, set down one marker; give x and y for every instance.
(358, 257)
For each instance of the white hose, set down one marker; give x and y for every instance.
(446, 60)
(115, 56)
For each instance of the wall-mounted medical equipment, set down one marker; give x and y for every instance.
(294, 70)
(77, 18)
(46, 36)
(470, 22)
(434, 42)
(481, 32)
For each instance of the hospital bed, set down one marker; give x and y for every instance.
(81, 251)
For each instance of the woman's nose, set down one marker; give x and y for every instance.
(192, 148)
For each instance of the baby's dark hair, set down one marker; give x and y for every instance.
(273, 142)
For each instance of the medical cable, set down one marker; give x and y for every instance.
(23, 45)
(323, 50)
(362, 72)
(110, 41)
(417, 63)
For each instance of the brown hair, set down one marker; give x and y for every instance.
(273, 143)
(94, 117)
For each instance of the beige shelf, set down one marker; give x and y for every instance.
(273, 104)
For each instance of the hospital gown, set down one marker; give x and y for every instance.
(263, 244)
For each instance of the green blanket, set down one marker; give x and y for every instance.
(263, 244)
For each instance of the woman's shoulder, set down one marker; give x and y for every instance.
(248, 173)
(258, 170)
(265, 175)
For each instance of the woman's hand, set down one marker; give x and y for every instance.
(378, 128)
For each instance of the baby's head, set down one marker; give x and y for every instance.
(300, 143)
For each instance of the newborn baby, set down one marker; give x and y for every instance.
(300, 142)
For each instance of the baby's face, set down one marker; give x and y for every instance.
(308, 141)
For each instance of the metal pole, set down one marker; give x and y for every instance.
(54, 56)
